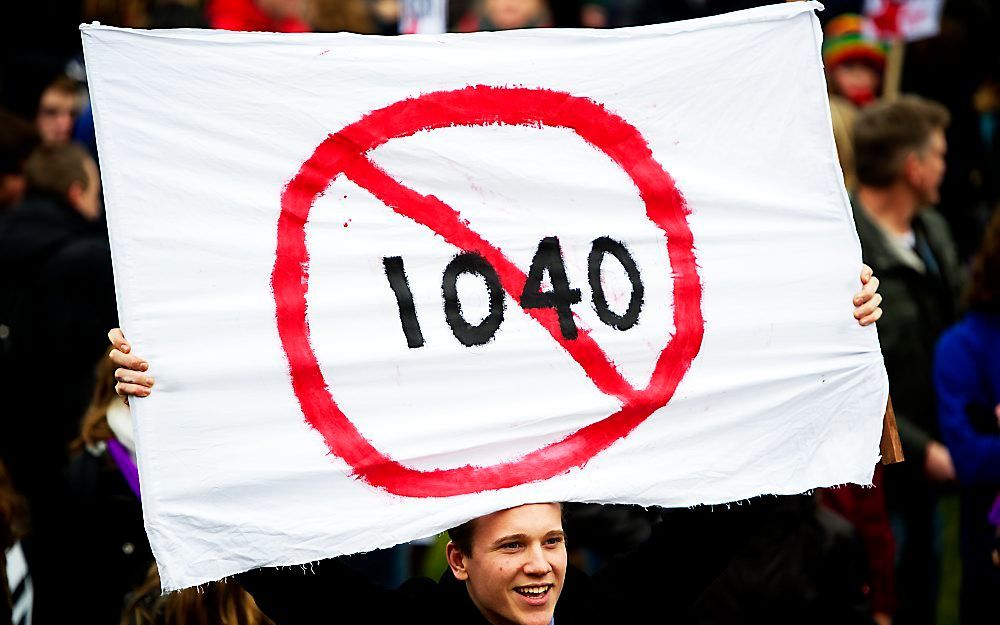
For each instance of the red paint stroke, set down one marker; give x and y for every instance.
(345, 153)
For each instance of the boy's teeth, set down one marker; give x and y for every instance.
(533, 591)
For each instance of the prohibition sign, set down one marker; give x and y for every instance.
(345, 153)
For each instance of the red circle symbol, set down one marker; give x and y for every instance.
(345, 153)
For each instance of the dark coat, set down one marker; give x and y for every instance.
(919, 306)
(57, 301)
(104, 549)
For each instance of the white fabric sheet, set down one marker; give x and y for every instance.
(704, 148)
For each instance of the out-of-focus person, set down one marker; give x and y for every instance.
(854, 59)
(967, 379)
(900, 161)
(215, 603)
(17, 140)
(799, 563)
(16, 595)
(865, 510)
(104, 549)
(58, 107)
(505, 15)
(56, 299)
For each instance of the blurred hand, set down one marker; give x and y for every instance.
(867, 301)
(996, 411)
(881, 618)
(131, 374)
(937, 463)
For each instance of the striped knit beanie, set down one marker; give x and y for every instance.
(850, 38)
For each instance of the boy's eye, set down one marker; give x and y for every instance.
(555, 540)
(511, 545)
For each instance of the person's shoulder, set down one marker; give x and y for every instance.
(85, 257)
(932, 218)
(937, 229)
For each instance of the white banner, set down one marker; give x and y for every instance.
(390, 284)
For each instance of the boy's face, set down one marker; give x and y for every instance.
(517, 566)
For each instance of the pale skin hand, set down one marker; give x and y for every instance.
(937, 463)
(134, 381)
(867, 301)
(131, 373)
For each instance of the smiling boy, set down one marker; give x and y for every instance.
(513, 562)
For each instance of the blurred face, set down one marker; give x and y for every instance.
(56, 113)
(927, 167)
(855, 81)
(507, 14)
(517, 566)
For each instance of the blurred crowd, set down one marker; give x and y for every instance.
(923, 173)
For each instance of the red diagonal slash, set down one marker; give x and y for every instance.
(345, 153)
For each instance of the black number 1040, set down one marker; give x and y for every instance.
(548, 258)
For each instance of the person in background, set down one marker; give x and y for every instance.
(854, 59)
(17, 140)
(215, 603)
(56, 298)
(104, 550)
(899, 157)
(854, 62)
(967, 380)
(864, 508)
(58, 107)
(16, 596)
(505, 15)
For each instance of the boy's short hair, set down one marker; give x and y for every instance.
(884, 133)
(461, 535)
